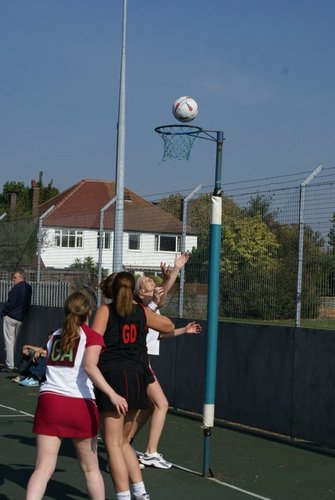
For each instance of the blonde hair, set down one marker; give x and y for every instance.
(77, 307)
(123, 287)
(138, 284)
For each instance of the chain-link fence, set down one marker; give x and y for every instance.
(277, 248)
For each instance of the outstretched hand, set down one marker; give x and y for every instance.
(193, 328)
(165, 270)
(181, 259)
(179, 263)
(158, 295)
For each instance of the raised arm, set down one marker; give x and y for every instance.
(170, 275)
(190, 328)
(158, 322)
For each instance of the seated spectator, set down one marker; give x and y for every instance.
(32, 366)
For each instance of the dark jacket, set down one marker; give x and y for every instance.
(18, 301)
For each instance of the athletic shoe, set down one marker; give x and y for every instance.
(144, 496)
(139, 454)
(29, 382)
(155, 460)
(5, 369)
(18, 379)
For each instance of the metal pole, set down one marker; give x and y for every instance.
(183, 246)
(301, 244)
(213, 305)
(39, 252)
(101, 233)
(120, 155)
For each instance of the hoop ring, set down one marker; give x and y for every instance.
(178, 130)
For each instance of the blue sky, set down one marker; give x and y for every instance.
(261, 70)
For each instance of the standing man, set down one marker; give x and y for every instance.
(17, 305)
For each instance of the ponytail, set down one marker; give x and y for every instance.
(123, 293)
(77, 307)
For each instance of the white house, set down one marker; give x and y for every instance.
(71, 229)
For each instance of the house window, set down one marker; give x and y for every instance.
(134, 241)
(106, 240)
(167, 243)
(68, 238)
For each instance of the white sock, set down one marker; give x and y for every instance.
(139, 488)
(123, 495)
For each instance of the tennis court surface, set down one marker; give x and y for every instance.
(245, 466)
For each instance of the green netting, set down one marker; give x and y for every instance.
(178, 141)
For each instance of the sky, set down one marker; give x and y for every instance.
(262, 71)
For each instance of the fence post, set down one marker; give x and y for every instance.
(101, 233)
(183, 246)
(301, 244)
(39, 252)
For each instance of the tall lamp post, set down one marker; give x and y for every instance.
(120, 155)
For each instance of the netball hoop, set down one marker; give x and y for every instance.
(178, 140)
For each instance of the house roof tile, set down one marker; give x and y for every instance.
(79, 207)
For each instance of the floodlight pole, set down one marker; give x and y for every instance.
(213, 304)
(120, 155)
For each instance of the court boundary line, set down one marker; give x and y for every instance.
(255, 495)
(24, 413)
(185, 469)
(227, 485)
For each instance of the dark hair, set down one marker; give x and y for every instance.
(77, 307)
(123, 287)
(106, 285)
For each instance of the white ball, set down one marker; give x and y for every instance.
(185, 109)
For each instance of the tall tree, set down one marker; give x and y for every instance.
(172, 205)
(22, 196)
(260, 205)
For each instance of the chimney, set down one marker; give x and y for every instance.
(35, 198)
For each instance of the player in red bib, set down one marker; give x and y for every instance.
(66, 404)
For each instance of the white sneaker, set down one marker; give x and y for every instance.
(144, 496)
(155, 460)
(139, 455)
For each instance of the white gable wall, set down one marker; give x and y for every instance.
(144, 258)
